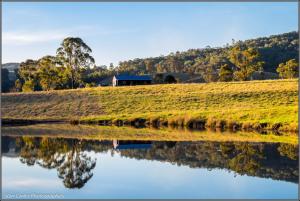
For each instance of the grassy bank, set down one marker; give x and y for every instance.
(235, 105)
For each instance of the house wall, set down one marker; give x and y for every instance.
(131, 82)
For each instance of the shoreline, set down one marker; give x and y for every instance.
(20, 122)
(95, 132)
(195, 124)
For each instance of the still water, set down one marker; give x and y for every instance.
(82, 168)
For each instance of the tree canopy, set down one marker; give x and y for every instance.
(74, 54)
(290, 69)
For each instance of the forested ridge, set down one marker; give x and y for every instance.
(273, 50)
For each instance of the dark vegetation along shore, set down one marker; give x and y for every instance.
(249, 105)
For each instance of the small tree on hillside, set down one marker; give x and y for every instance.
(28, 74)
(246, 61)
(210, 74)
(290, 69)
(48, 73)
(28, 70)
(225, 73)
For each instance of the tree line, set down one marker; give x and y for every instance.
(73, 66)
(237, 61)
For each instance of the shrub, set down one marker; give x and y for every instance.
(220, 124)
(89, 85)
(246, 126)
(28, 86)
(211, 123)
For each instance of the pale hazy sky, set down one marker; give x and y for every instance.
(122, 31)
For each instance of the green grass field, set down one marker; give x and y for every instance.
(254, 104)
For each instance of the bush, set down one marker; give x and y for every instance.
(28, 86)
(89, 85)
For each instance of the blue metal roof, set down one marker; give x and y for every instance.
(133, 77)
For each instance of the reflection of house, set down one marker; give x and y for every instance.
(11, 153)
(127, 80)
(131, 144)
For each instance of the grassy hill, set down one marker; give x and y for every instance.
(269, 104)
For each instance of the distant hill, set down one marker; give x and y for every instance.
(11, 69)
(11, 66)
(274, 50)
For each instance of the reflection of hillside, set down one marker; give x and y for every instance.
(70, 158)
(276, 161)
(90, 132)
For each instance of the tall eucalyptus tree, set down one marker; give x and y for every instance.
(75, 56)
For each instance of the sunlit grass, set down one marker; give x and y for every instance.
(249, 103)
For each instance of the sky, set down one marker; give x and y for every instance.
(119, 177)
(122, 31)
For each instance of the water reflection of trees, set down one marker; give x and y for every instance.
(268, 160)
(245, 158)
(76, 170)
(74, 165)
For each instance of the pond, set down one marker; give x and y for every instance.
(66, 166)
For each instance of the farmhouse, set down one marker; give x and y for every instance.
(128, 80)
